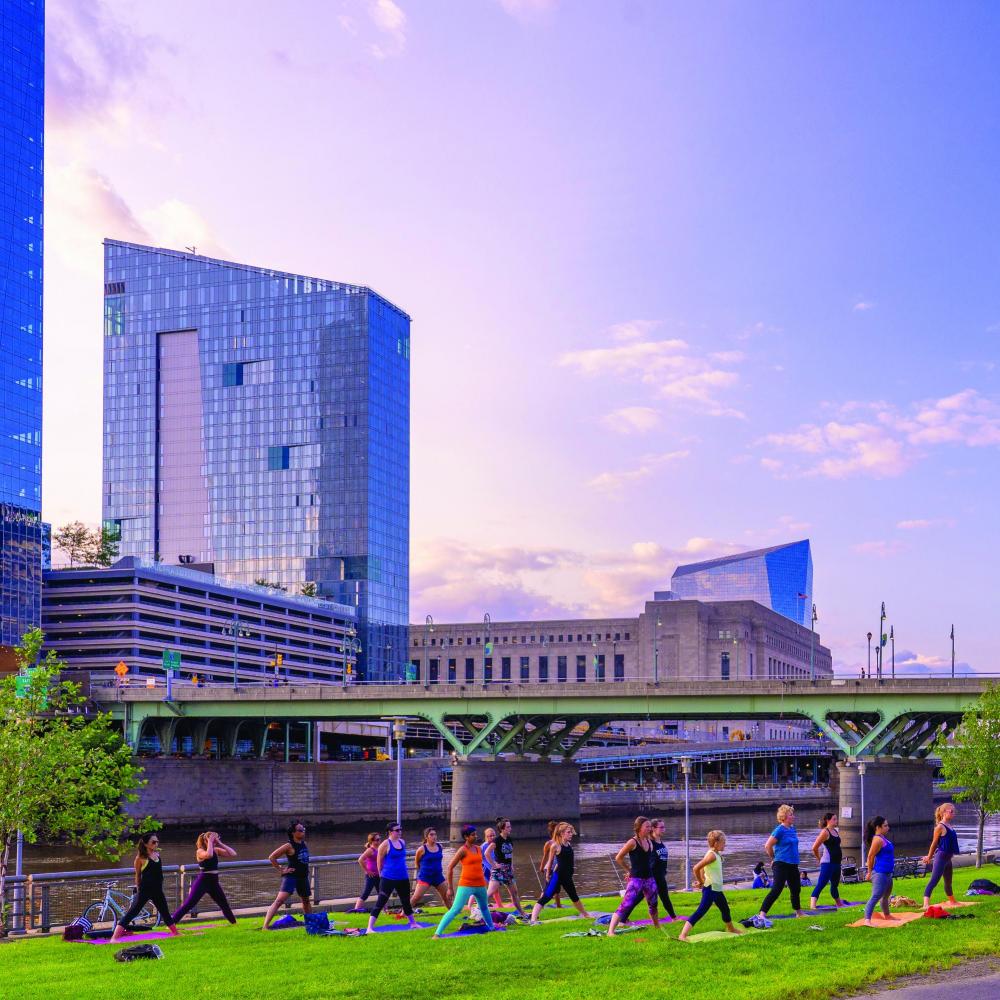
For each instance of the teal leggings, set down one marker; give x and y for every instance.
(461, 898)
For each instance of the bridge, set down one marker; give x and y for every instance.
(861, 718)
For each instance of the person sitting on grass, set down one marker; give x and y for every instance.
(708, 877)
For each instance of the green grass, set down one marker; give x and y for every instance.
(241, 962)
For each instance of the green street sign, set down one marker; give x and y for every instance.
(21, 684)
(171, 659)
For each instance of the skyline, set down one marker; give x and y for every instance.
(755, 276)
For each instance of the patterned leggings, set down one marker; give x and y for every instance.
(634, 891)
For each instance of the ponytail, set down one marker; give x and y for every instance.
(826, 819)
(873, 824)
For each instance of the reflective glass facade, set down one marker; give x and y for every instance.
(22, 95)
(259, 421)
(780, 578)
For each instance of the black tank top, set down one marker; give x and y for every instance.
(641, 861)
(210, 864)
(504, 851)
(151, 876)
(834, 849)
(564, 862)
(299, 861)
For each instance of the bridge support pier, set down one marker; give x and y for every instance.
(528, 792)
(900, 790)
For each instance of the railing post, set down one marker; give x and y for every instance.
(183, 875)
(46, 924)
(315, 883)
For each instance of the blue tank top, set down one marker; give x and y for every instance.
(787, 847)
(885, 860)
(430, 870)
(394, 862)
(948, 844)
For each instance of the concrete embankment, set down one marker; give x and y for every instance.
(668, 801)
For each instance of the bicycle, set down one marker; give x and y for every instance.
(113, 908)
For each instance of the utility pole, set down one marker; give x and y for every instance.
(812, 643)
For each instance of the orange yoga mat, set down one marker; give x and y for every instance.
(898, 919)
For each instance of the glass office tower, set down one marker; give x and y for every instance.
(258, 422)
(780, 578)
(22, 98)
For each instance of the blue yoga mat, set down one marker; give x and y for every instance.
(469, 931)
(387, 928)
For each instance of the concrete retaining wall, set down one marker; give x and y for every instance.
(900, 790)
(266, 794)
(668, 802)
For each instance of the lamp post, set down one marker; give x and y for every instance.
(869, 654)
(399, 731)
(952, 652)
(236, 630)
(428, 627)
(487, 621)
(686, 768)
(656, 652)
(892, 647)
(351, 648)
(812, 644)
(862, 767)
(881, 640)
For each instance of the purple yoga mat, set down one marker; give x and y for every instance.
(477, 929)
(129, 938)
(386, 928)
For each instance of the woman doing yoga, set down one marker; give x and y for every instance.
(430, 872)
(471, 883)
(208, 849)
(543, 865)
(660, 867)
(944, 847)
(501, 857)
(148, 886)
(641, 856)
(782, 848)
(708, 876)
(881, 862)
(292, 860)
(559, 871)
(369, 865)
(827, 850)
(393, 876)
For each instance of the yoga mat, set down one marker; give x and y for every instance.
(469, 931)
(649, 923)
(717, 936)
(951, 906)
(828, 909)
(386, 928)
(897, 921)
(130, 938)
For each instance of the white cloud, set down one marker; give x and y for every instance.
(390, 20)
(670, 367)
(879, 548)
(922, 523)
(890, 439)
(612, 482)
(757, 329)
(632, 419)
(863, 306)
(526, 10)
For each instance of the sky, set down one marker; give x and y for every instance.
(685, 279)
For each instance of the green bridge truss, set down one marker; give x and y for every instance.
(860, 718)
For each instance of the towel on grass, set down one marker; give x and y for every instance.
(898, 919)
(706, 936)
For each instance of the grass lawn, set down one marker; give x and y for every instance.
(789, 961)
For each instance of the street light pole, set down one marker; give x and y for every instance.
(869, 654)
(656, 652)
(862, 767)
(686, 768)
(952, 652)
(487, 621)
(892, 646)
(812, 643)
(428, 626)
(399, 731)
(235, 629)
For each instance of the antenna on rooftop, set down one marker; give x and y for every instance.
(192, 250)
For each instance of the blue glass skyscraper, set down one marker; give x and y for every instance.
(259, 421)
(779, 577)
(22, 114)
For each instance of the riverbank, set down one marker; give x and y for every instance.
(790, 961)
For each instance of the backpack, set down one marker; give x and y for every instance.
(138, 951)
(985, 885)
(317, 923)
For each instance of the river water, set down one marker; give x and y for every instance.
(601, 838)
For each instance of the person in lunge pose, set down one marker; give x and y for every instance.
(208, 849)
(828, 852)
(148, 886)
(471, 883)
(641, 855)
(292, 860)
(944, 847)
(430, 873)
(369, 865)
(660, 867)
(782, 848)
(881, 862)
(393, 876)
(559, 871)
(543, 865)
(708, 876)
(501, 858)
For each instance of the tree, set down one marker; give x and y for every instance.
(971, 760)
(262, 581)
(309, 590)
(63, 774)
(76, 540)
(104, 548)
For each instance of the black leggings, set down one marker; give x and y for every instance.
(784, 874)
(371, 885)
(386, 888)
(557, 882)
(205, 883)
(664, 892)
(139, 900)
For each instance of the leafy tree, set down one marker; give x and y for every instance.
(104, 547)
(76, 540)
(264, 582)
(971, 759)
(309, 590)
(63, 774)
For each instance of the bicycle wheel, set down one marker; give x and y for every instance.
(147, 918)
(98, 913)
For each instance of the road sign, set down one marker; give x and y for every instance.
(121, 669)
(21, 684)
(171, 659)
